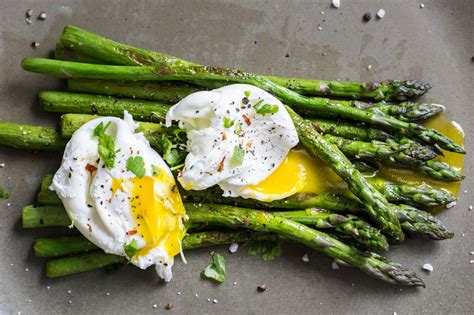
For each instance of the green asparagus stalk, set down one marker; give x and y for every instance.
(260, 221)
(417, 195)
(65, 102)
(66, 69)
(30, 137)
(166, 92)
(110, 52)
(171, 93)
(435, 169)
(422, 223)
(351, 225)
(357, 228)
(78, 244)
(377, 206)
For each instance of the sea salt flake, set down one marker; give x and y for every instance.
(380, 13)
(305, 258)
(233, 248)
(428, 267)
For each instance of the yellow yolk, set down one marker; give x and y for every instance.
(298, 173)
(301, 173)
(158, 214)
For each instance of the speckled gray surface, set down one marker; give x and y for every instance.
(434, 44)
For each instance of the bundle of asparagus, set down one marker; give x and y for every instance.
(352, 137)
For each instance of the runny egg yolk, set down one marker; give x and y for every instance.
(298, 173)
(158, 210)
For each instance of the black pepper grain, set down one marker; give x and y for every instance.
(367, 17)
(262, 288)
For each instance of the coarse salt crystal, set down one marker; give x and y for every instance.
(369, 67)
(470, 207)
(428, 267)
(233, 248)
(214, 301)
(450, 205)
(422, 5)
(380, 13)
(334, 265)
(305, 258)
(320, 28)
(336, 3)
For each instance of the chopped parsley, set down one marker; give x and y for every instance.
(155, 170)
(238, 156)
(106, 148)
(171, 155)
(3, 193)
(131, 248)
(136, 165)
(247, 94)
(228, 122)
(267, 249)
(100, 129)
(238, 129)
(264, 109)
(216, 270)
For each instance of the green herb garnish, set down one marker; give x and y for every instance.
(238, 129)
(228, 122)
(100, 129)
(238, 156)
(171, 155)
(131, 248)
(107, 150)
(136, 165)
(216, 270)
(268, 249)
(3, 193)
(247, 94)
(263, 109)
(155, 170)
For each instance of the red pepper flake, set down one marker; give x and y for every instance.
(220, 168)
(91, 168)
(90, 227)
(132, 232)
(247, 120)
(248, 144)
(110, 200)
(246, 222)
(224, 136)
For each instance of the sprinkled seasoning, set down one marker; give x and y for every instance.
(42, 16)
(367, 17)
(34, 44)
(380, 13)
(262, 288)
(169, 306)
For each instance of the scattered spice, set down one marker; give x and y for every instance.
(380, 13)
(169, 306)
(91, 168)
(247, 120)
(262, 288)
(132, 232)
(34, 44)
(287, 55)
(367, 17)
(89, 227)
(220, 168)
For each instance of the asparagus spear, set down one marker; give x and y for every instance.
(417, 195)
(65, 102)
(166, 92)
(169, 71)
(77, 244)
(110, 52)
(435, 169)
(265, 222)
(357, 228)
(377, 206)
(347, 224)
(30, 137)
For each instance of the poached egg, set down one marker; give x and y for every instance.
(240, 138)
(120, 194)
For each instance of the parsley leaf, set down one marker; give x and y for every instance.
(100, 129)
(216, 270)
(107, 150)
(238, 129)
(268, 249)
(131, 248)
(263, 109)
(228, 122)
(247, 94)
(238, 156)
(136, 165)
(171, 155)
(3, 193)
